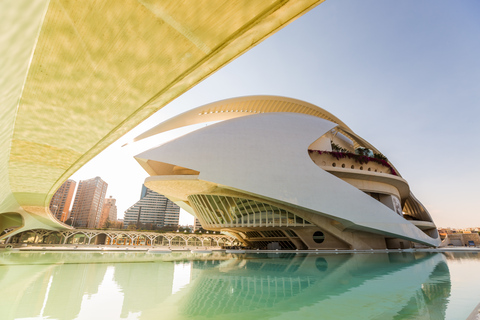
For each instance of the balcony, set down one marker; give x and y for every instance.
(346, 160)
(366, 173)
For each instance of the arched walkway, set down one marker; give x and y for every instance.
(120, 238)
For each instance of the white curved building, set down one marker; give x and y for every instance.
(283, 173)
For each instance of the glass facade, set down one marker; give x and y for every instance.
(153, 208)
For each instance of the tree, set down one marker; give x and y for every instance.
(118, 225)
(168, 228)
(150, 226)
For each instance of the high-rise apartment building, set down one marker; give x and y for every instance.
(109, 212)
(197, 225)
(152, 208)
(88, 204)
(62, 199)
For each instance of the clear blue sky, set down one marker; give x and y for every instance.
(404, 75)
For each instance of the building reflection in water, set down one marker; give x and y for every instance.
(367, 286)
(383, 286)
(182, 274)
(50, 291)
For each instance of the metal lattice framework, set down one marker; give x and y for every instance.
(222, 212)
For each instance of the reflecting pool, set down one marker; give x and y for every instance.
(82, 285)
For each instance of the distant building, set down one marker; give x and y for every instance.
(461, 240)
(112, 214)
(197, 225)
(62, 199)
(88, 204)
(109, 212)
(152, 208)
(444, 230)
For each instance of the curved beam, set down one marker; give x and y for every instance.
(240, 107)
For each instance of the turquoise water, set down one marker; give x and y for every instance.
(81, 285)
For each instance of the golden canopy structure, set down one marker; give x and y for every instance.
(77, 75)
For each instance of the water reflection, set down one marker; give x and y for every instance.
(54, 291)
(355, 286)
(197, 286)
(464, 256)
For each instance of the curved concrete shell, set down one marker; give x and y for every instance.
(77, 75)
(287, 179)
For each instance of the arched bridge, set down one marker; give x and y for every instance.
(121, 238)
